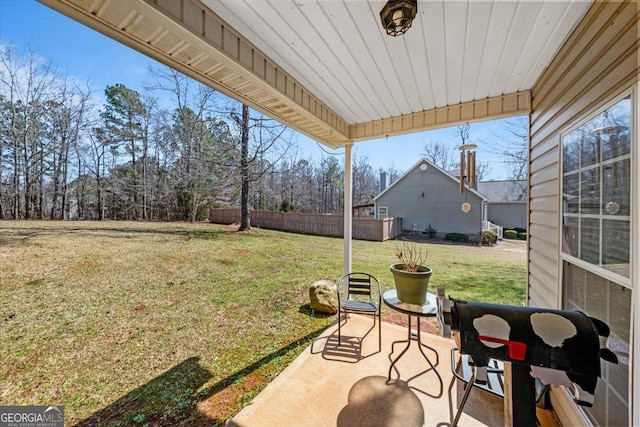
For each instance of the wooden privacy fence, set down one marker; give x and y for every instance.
(318, 224)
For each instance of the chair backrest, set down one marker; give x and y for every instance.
(358, 285)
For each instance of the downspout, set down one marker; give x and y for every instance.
(485, 215)
(348, 208)
(483, 219)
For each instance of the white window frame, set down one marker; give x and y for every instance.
(634, 267)
(386, 212)
(596, 269)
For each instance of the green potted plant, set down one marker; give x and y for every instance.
(411, 275)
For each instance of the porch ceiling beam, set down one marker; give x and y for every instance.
(485, 109)
(187, 36)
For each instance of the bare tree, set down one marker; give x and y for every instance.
(331, 180)
(25, 86)
(41, 116)
(512, 144)
(61, 157)
(393, 173)
(463, 132)
(365, 186)
(245, 221)
(68, 116)
(200, 137)
(438, 154)
(263, 143)
(93, 159)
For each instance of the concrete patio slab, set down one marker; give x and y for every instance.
(331, 385)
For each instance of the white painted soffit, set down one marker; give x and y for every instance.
(325, 68)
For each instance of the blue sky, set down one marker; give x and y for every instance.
(85, 54)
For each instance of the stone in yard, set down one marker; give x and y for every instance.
(324, 298)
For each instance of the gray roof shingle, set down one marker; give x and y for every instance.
(504, 191)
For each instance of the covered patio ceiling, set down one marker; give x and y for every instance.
(327, 69)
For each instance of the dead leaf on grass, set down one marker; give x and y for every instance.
(139, 307)
(124, 336)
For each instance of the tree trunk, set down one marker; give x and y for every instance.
(16, 182)
(99, 189)
(245, 221)
(145, 160)
(65, 183)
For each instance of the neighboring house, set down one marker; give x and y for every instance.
(427, 195)
(507, 202)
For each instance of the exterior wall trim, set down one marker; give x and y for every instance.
(508, 105)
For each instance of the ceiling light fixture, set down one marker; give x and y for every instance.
(397, 16)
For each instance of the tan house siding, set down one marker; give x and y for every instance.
(598, 61)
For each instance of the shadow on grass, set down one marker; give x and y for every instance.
(173, 397)
(174, 389)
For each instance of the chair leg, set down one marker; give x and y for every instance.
(379, 333)
(465, 396)
(339, 323)
(451, 383)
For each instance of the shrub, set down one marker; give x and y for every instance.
(456, 237)
(519, 229)
(286, 206)
(489, 237)
(522, 236)
(510, 234)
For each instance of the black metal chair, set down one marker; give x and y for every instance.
(488, 378)
(359, 293)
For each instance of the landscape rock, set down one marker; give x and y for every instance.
(324, 298)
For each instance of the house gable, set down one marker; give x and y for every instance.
(427, 195)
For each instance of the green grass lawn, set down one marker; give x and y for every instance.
(161, 323)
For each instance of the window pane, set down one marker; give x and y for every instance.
(590, 240)
(590, 191)
(611, 303)
(613, 130)
(590, 148)
(616, 246)
(596, 187)
(570, 231)
(615, 142)
(571, 152)
(616, 188)
(571, 192)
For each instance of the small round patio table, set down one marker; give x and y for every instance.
(428, 309)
